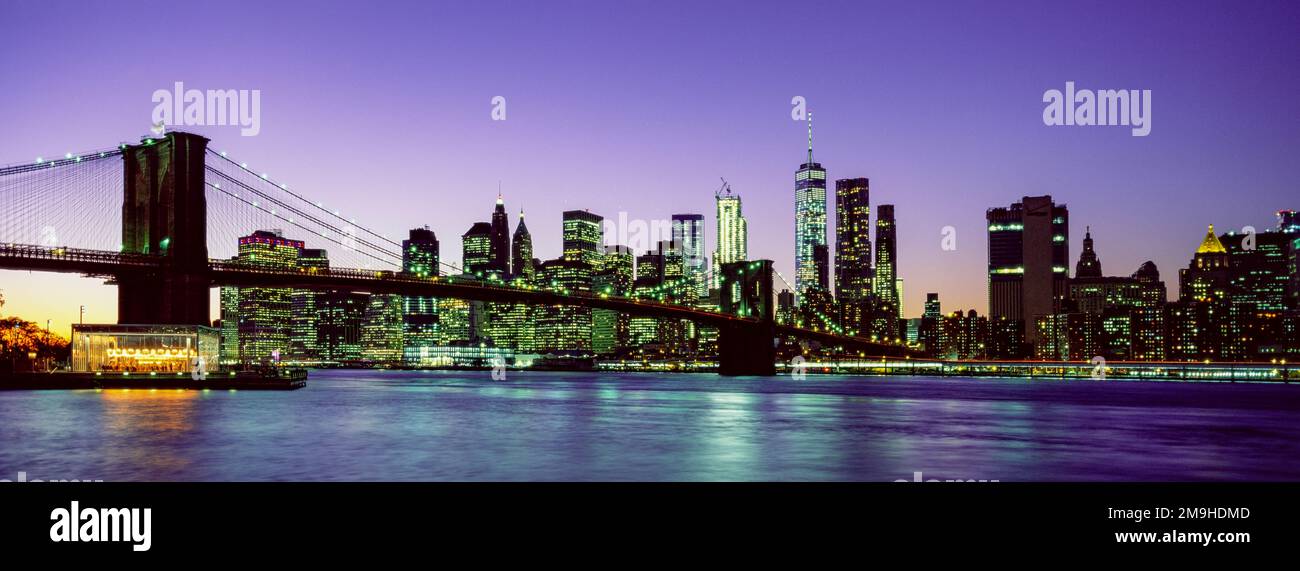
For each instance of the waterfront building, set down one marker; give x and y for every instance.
(304, 334)
(342, 317)
(961, 336)
(420, 258)
(610, 329)
(261, 318)
(381, 330)
(565, 329)
(1028, 257)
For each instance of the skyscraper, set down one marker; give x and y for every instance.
(886, 278)
(342, 315)
(822, 262)
(419, 313)
(499, 246)
(1029, 251)
(381, 330)
(688, 234)
(853, 272)
(583, 236)
(809, 219)
(521, 250)
(609, 329)
(476, 250)
(261, 317)
(304, 338)
(420, 253)
(733, 235)
(564, 328)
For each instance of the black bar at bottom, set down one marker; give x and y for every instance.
(774, 519)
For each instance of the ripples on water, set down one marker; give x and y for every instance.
(391, 425)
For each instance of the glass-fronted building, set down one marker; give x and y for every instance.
(144, 348)
(809, 221)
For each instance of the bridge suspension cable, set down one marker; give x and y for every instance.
(71, 201)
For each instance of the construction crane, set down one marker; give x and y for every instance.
(725, 187)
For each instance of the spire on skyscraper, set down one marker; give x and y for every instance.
(810, 155)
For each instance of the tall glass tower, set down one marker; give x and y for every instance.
(886, 280)
(733, 234)
(521, 247)
(809, 220)
(688, 234)
(500, 242)
(852, 239)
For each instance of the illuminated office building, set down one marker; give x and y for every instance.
(565, 328)
(886, 268)
(961, 336)
(883, 313)
(610, 329)
(381, 330)
(583, 237)
(733, 233)
(1128, 312)
(304, 335)
(476, 251)
(1198, 324)
(809, 220)
(785, 308)
(341, 319)
(453, 321)
(853, 273)
(688, 234)
(1028, 260)
(420, 258)
(928, 332)
(521, 250)
(499, 242)
(262, 317)
(661, 277)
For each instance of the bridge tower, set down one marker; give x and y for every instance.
(164, 212)
(746, 290)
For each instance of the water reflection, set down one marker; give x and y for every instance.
(362, 425)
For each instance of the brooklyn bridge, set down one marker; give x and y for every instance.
(179, 200)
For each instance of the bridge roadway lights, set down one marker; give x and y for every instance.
(747, 350)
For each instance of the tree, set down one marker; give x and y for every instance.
(20, 339)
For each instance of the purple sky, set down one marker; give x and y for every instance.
(383, 110)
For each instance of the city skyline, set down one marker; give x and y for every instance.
(1183, 171)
